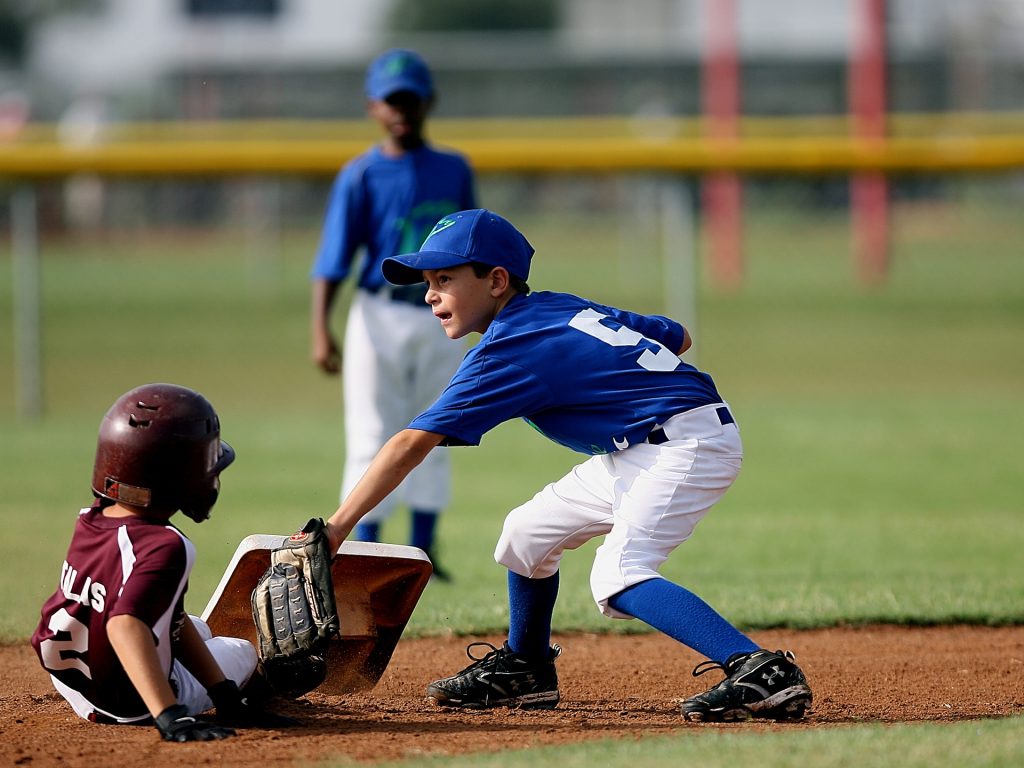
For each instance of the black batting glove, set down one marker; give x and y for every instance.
(237, 709)
(175, 724)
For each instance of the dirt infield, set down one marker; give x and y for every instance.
(612, 687)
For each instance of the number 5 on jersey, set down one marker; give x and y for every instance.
(589, 321)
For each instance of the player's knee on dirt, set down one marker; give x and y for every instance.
(521, 550)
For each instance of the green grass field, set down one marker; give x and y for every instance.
(883, 427)
(994, 744)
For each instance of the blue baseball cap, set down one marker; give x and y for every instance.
(398, 70)
(459, 238)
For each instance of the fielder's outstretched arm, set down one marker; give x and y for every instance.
(399, 456)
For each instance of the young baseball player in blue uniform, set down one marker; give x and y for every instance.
(664, 447)
(396, 358)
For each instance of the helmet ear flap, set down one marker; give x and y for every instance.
(159, 448)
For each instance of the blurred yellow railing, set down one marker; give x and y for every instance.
(938, 143)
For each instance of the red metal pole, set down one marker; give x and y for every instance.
(720, 98)
(869, 192)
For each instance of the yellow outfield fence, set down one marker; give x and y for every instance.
(946, 143)
(799, 155)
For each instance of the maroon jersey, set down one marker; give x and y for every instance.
(123, 565)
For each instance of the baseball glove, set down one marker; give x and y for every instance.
(294, 611)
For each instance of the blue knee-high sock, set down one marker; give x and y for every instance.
(530, 605)
(424, 521)
(682, 615)
(366, 532)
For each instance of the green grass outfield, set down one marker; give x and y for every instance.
(992, 743)
(884, 428)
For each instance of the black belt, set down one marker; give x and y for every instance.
(658, 436)
(404, 294)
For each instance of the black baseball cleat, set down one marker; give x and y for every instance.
(499, 679)
(757, 684)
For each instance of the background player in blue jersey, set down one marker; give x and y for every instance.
(396, 358)
(664, 447)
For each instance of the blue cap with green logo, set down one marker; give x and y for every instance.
(459, 238)
(398, 70)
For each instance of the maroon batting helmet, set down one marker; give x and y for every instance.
(159, 447)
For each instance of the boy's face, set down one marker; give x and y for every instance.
(463, 302)
(401, 115)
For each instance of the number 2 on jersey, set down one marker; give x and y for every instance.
(70, 640)
(589, 321)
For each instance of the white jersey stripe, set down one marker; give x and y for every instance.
(124, 543)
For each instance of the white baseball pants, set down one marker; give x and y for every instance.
(646, 500)
(397, 359)
(236, 658)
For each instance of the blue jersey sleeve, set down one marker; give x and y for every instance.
(343, 225)
(484, 392)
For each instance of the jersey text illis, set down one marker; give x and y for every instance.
(92, 593)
